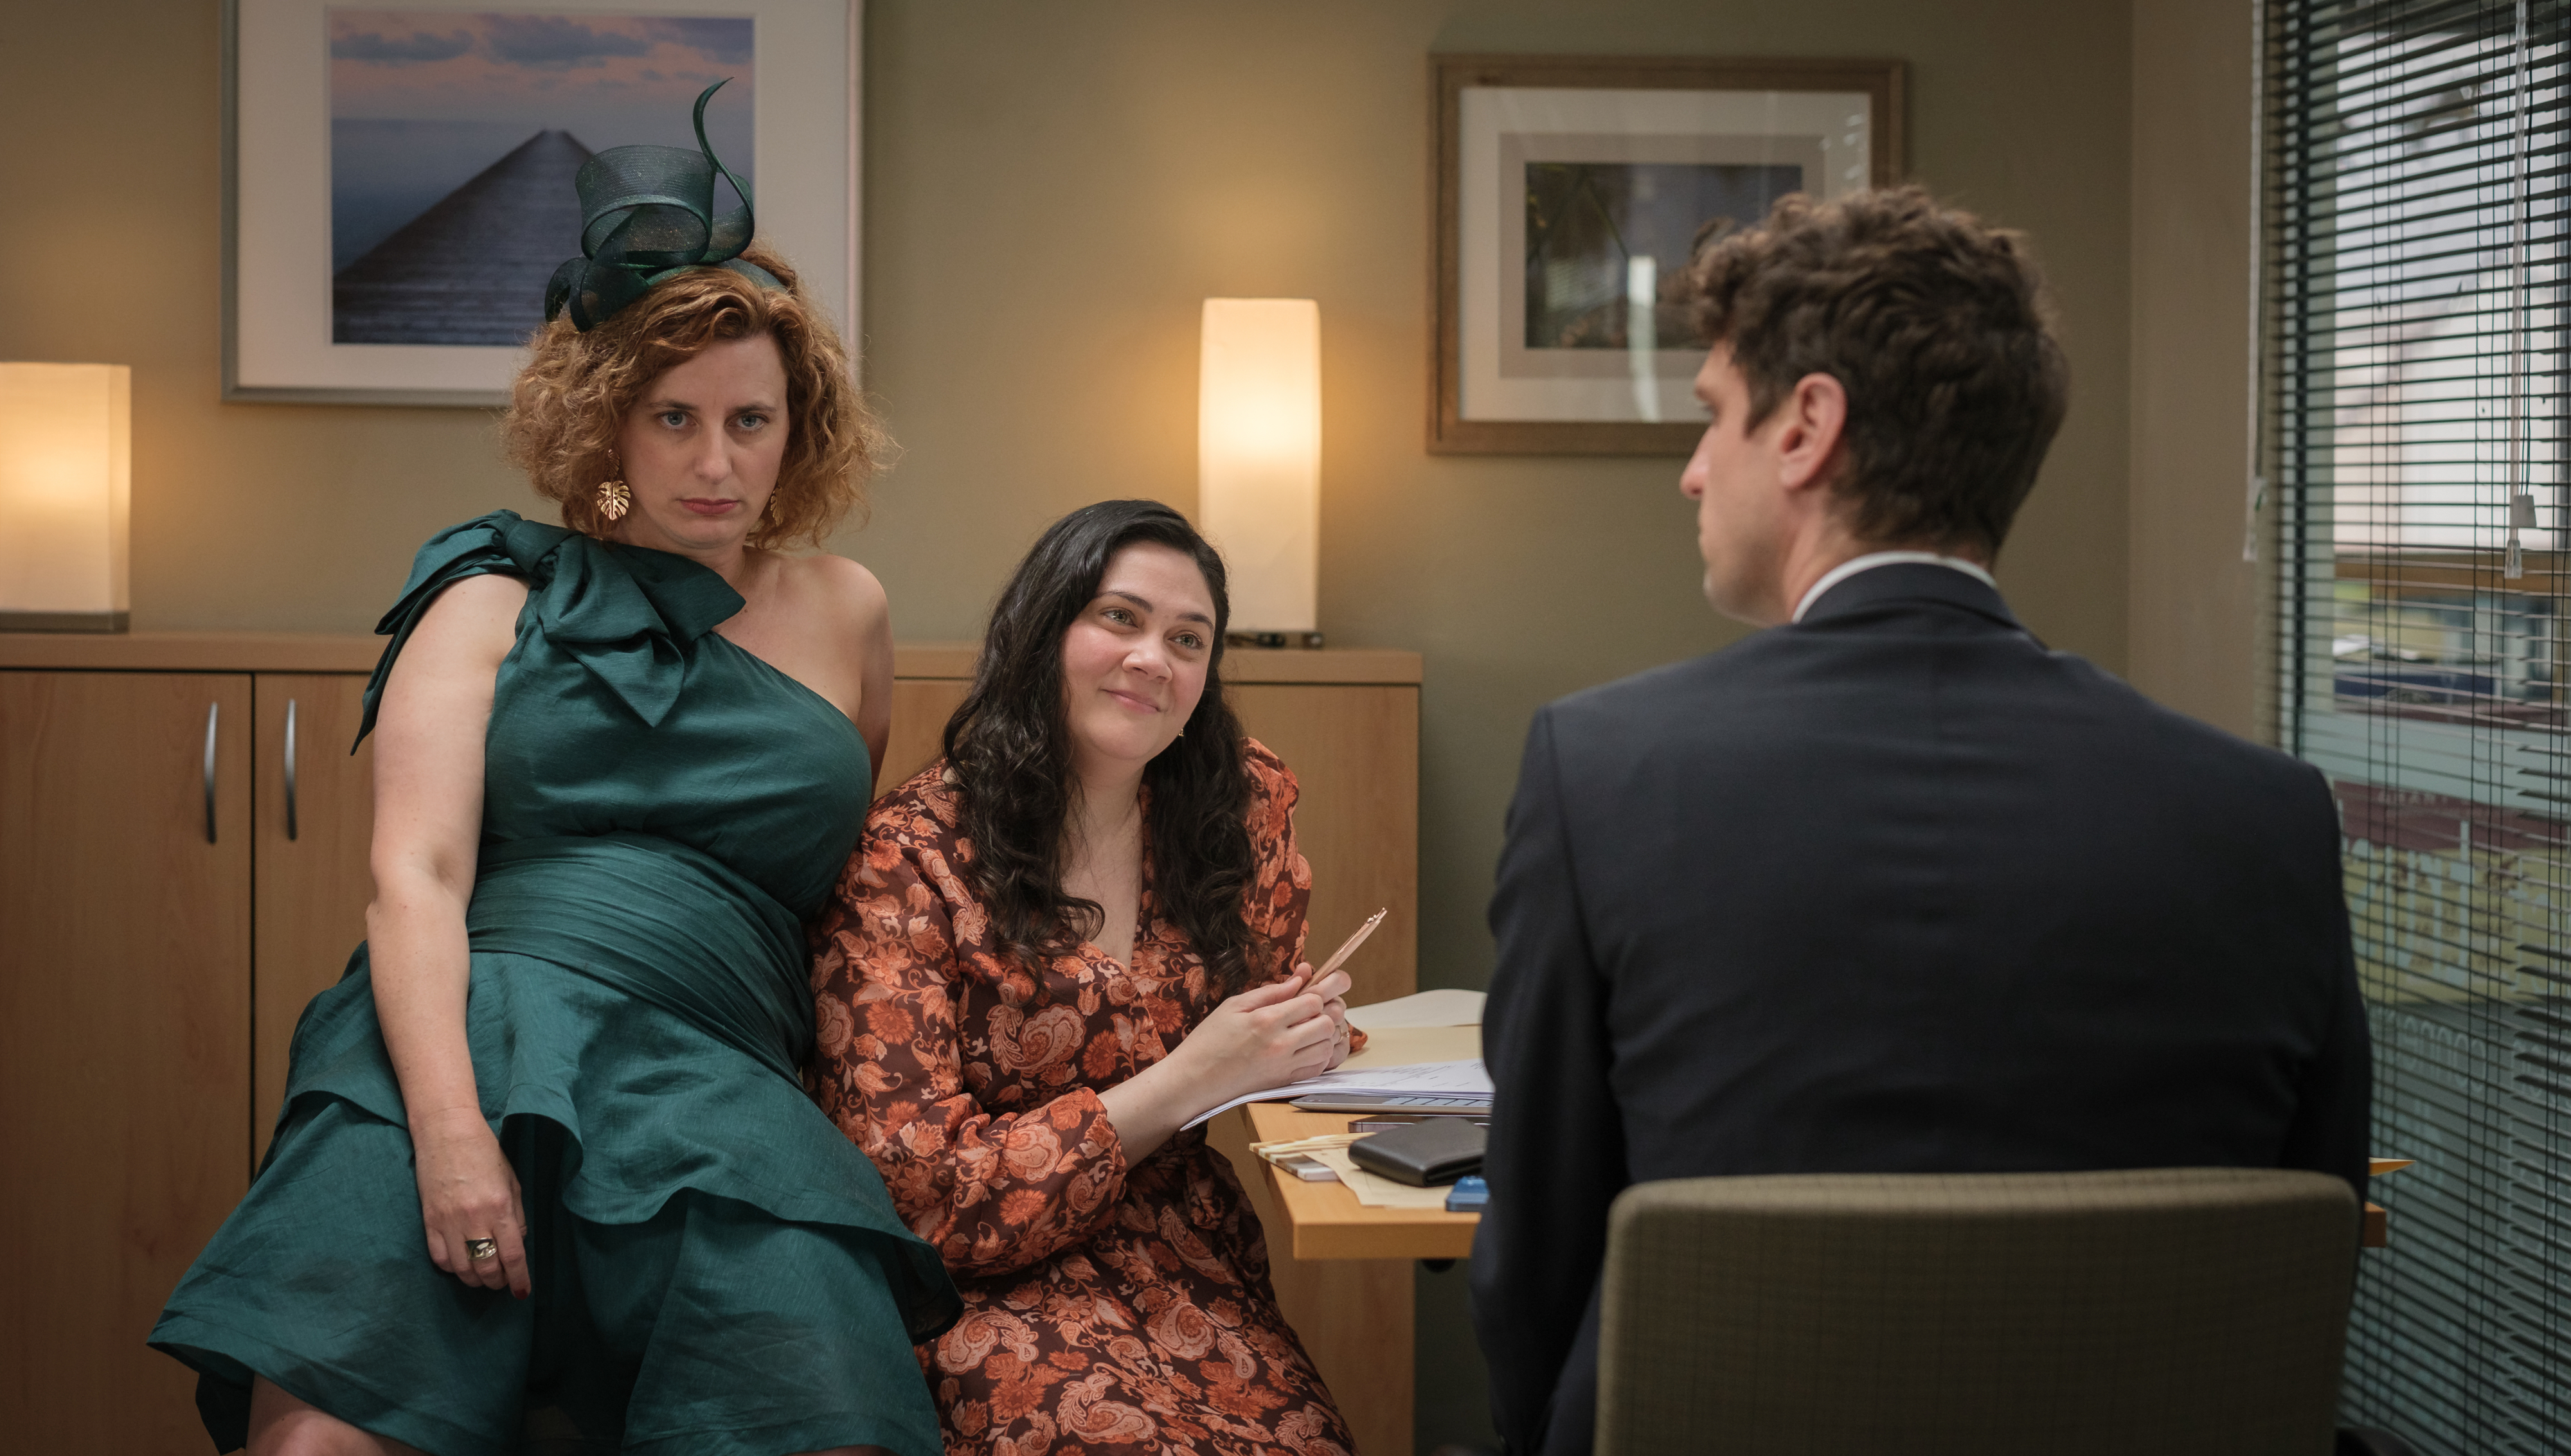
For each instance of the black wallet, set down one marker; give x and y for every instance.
(1425, 1153)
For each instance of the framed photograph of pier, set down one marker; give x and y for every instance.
(1571, 193)
(397, 174)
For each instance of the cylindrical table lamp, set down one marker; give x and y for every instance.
(1258, 461)
(66, 488)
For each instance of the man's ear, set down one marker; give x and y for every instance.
(1812, 422)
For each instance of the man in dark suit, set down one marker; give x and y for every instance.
(1890, 886)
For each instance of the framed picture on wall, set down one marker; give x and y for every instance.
(1571, 194)
(397, 174)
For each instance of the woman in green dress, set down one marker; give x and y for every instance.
(546, 1178)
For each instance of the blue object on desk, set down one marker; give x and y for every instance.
(1469, 1195)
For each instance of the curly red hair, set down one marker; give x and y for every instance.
(571, 399)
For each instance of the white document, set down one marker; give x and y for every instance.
(1378, 1192)
(1461, 1079)
(1445, 1006)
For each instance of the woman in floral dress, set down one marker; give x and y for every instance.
(1056, 945)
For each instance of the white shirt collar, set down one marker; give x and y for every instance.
(1853, 566)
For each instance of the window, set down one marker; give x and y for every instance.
(2416, 174)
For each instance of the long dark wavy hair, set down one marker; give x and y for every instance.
(1010, 748)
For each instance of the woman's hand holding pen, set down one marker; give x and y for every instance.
(1267, 1036)
(1337, 1007)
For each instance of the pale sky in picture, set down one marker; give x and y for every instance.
(610, 80)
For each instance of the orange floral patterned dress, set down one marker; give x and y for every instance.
(1107, 1307)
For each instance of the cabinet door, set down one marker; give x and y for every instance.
(921, 707)
(1355, 750)
(124, 1038)
(315, 815)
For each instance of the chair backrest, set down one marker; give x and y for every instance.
(2195, 1309)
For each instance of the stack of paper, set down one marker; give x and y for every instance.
(1443, 1007)
(1374, 1191)
(1465, 1077)
(1331, 1150)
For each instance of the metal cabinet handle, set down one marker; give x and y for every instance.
(213, 714)
(289, 768)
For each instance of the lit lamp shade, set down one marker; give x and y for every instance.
(66, 483)
(1258, 456)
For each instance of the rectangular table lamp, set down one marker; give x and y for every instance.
(66, 486)
(1259, 459)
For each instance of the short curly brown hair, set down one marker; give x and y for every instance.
(571, 399)
(1936, 325)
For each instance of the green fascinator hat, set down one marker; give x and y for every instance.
(646, 213)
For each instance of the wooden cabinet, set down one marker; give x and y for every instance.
(125, 1061)
(1357, 820)
(313, 816)
(149, 980)
(921, 707)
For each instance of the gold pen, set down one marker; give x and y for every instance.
(1350, 946)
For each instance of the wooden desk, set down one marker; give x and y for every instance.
(1350, 1304)
(1325, 1221)
(1329, 1221)
(1355, 1316)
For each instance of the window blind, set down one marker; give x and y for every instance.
(2414, 162)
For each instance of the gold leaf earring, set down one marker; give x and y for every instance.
(614, 499)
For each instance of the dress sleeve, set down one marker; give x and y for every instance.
(479, 547)
(1281, 883)
(991, 1192)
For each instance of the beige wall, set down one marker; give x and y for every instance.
(2194, 602)
(252, 516)
(1050, 190)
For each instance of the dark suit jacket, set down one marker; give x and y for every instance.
(1895, 889)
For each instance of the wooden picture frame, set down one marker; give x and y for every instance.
(304, 204)
(1531, 355)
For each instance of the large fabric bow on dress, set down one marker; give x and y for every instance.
(624, 613)
(647, 213)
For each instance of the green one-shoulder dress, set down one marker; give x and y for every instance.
(715, 1268)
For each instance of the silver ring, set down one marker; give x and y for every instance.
(478, 1249)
